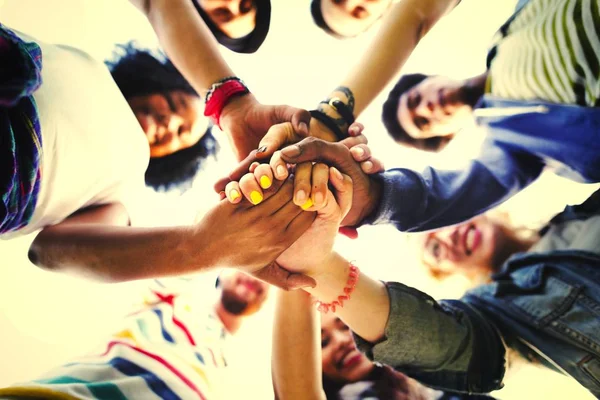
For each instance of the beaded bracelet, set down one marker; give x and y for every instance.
(350, 285)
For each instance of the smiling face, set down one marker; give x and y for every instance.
(469, 248)
(242, 294)
(341, 360)
(172, 121)
(235, 18)
(437, 106)
(351, 17)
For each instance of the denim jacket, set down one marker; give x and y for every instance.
(522, 138)
(547, 305)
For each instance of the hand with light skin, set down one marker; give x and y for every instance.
(320, 237)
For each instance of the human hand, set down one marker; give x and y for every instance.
(251, 237)
(279, 136)
(310, 252)
(366, 191)
(247, 122)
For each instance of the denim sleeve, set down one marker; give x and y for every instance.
(436, 198)
(447, 345)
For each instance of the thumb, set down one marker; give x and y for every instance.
(299, 118)
(276, 137)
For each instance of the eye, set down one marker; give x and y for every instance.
(246, 6)
(338, 2)
(434, 248)
(324, 342)
(414, 98)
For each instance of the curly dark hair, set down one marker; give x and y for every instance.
(142, 72)
(390, 118)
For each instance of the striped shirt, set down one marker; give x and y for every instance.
(164, 351)
(550, 50)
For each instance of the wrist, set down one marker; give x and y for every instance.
(375, 194)
(331, 277)
(221, 94)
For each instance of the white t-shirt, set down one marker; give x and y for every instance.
(94, 150)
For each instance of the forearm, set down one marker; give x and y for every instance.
(407, 22)
(116, 254)
(366, 313)
(296, 363)
(188, 42)
(403, 327)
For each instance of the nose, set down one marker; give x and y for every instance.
(350, 5)
(342, 339)
(424, 108)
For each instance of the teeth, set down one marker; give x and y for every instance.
(470, 239)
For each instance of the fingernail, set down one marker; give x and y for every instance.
(280, 170)
(303, 127)
(308, 204)
(300, 196)
(261, 149)
(337, 173)
(265, 182)
(255, 197)
(318, 198)
(234, 195)
(291, 151)
(354, 130)
(359, 151)
(368, 165)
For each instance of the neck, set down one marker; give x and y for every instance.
(232, 322)
(513, 243)
(475, 88)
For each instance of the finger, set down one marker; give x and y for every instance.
(233, 192)
(312, 149)
(251, 189)
(284, 279)
(253, 166)
(278, 166)
(278, 197)
(276, 137)
(236, 174)
(320, 179)
(360, 152)
(299, 224)
(263, 175)
(349, 232)
(356, 129)
(350, 142)
(372, 166)
(343, 189)
(302, 185)
(299, 118)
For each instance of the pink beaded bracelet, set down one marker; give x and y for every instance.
(350, 285)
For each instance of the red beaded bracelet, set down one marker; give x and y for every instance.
(350, 285)
(220, 95)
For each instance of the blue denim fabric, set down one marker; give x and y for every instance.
(551, 303)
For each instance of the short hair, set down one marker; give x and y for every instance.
(141, 72)
(390, 117)
(246, 44)
(319, 20)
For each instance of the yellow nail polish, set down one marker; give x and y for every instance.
(255, 197)
(234, 195)
(308, 204)
(265, 182)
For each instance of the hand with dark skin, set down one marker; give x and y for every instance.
(366, 191)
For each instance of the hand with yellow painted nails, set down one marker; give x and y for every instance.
(312, 250)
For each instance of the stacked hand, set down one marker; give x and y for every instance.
(312, 249)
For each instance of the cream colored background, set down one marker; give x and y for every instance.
(47, 318)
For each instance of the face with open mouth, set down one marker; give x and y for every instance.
(467, 248)
(341, 360)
